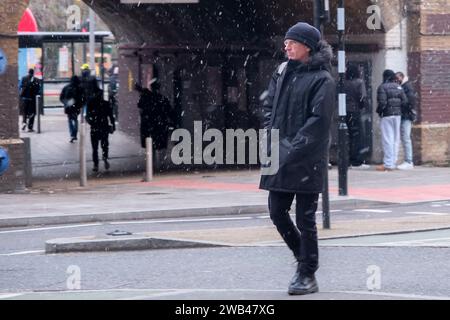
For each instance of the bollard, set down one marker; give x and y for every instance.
(326, 198)
(28, 163)
(83, 170)
(38, 114)
(149, 159)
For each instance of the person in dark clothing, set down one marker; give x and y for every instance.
(356, 101)
(72, 98)
(300, 104)
(409, 115)
(391, 100)
(156, 116)
(89, 84)
(113, 89)
(30, 88)
(99, 116)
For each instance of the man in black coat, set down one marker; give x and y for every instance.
(30, 88)
(356, 101)
(72, 98)
(300, 105)
(99, 116)
(156, 116)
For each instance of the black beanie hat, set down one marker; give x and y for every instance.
(304, 33)
(388, 75)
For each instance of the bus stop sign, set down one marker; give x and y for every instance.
(4, 161)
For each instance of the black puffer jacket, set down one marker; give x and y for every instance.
(409, 111)
(99, 114)
(391, 99)
(356, 96)
(300, 104)
(155, 110)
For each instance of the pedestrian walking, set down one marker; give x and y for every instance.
(391, 99)
(300, 105)
(72, 98)
(29, 88)
(99, 116)
(356, 101)
(88, 84)
(409, 115)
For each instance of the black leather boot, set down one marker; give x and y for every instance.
(303, 284)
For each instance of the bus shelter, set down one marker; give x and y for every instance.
(57, 56)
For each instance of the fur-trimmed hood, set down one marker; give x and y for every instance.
(319, 60)
(321, 57)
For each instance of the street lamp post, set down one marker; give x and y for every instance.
(321, 16)
(343, 130)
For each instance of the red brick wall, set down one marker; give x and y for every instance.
(435, 86)
(14, 179)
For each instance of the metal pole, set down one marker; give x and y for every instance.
(316, 9)
(318, 19)
(343, 130)
(102, 69)
(149, 159)
(83, 165)
(326, 198)
(73, 58)
(92, 41)
(38, 114)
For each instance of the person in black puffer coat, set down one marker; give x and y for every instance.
(99, 116)
(391, 100)
(156, 116)
(300, 104)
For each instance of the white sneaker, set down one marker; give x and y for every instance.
(361, 167)
(405, 166)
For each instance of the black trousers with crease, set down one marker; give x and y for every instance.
(300, 237)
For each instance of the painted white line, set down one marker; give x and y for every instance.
(395, 295)
(52, 228)
(293, 214)
(155, 295)
(429, 213)
(331, 211)
(10, 295)
(413, 242)
(372, 210)
(180, 220)
(22, 253)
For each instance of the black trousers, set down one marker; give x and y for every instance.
(102, 138)
(354, 125)
(302, 237)
(29, 112)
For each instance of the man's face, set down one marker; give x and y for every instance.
(296, 50)
(399, 78)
